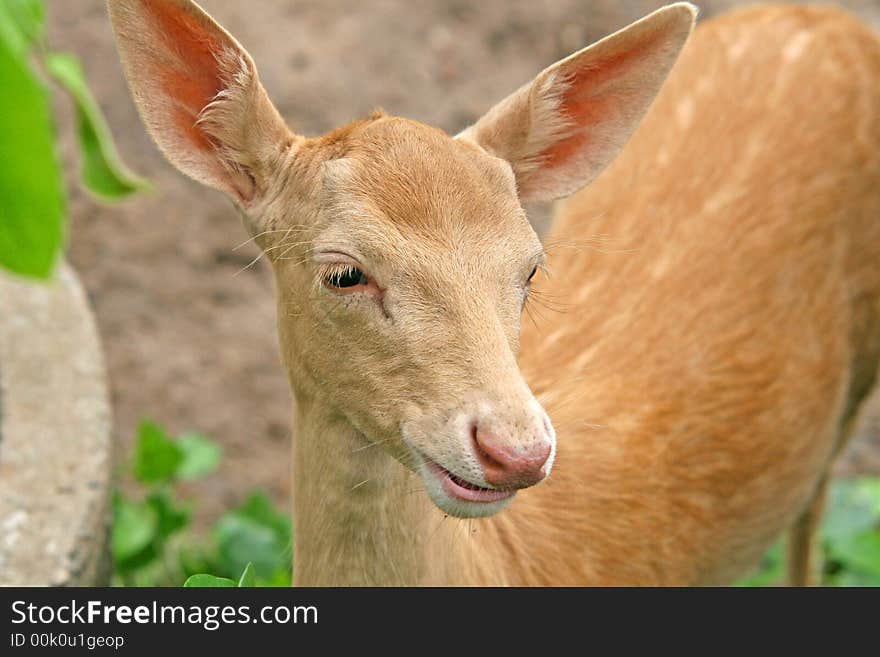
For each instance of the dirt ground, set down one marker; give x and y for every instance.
(189, 337)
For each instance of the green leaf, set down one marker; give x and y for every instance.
(259, 508)
(134, 528)
(280, 578)
(103, 172)
(195, 557)
(157, 457)
(854, 507)
(771, 571)
(22, 23)
(172, 516)
(241, 540)
(851, 533)
(254, 532)
(201, 456)
(868, 490)
(853, 578)
(32, 211)
(860, 552)
(248, 577)
(208, 581)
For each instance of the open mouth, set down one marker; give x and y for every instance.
(465, 491)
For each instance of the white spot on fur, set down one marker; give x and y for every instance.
(555, 336)
(721, 199)
(586, 289)
(796, 46)
(704, 84)
(662, 157)
(684, 112)
(661, 266)
(583, 359)
(737, 49)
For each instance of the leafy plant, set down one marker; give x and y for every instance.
(254, 533)
(151, 541)
(850, 539)
(32, 195)
(144, 528)
(851, 535)
(771, 571)
(250, 545)
(248, 578)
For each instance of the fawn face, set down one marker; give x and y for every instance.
(401, 307)
(403, 256)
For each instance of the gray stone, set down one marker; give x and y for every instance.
(55, 446)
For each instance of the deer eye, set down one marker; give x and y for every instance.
(347, 277)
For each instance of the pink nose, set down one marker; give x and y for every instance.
(509, 466)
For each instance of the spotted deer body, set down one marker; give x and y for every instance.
(719, 289)
(713, 297)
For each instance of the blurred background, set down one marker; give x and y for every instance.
(187, 324)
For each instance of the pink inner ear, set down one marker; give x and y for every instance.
(592, 96)
(192, 78)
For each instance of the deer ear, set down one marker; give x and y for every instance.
(559, 131)
(198, 93)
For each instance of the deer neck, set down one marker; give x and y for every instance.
(360, 517)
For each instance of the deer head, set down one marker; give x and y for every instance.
(403, 256)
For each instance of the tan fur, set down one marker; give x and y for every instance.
(716, 290)
(708, 357)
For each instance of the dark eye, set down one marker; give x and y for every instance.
(532, 275)
(348, 277)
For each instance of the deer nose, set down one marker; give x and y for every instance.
(508, 465)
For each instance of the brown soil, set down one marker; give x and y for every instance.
(189, 331)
